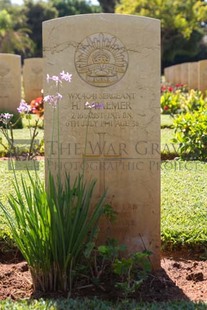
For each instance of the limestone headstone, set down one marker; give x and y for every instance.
(177, 74)
(10, 82)
(32, 78)
(170, 74)
(202, 75)
(184, 73)
(115, 62)
(193, 75)
(167, 74)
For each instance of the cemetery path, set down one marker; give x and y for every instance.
(183, 276)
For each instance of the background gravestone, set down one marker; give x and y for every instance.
(115, 61)
(202, 75)
(193, 75)
(10, 82)
(32, 78)
(177, 74)
(184, 73)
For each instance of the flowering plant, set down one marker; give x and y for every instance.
(52, 227)
(7, 126)
(37, 106)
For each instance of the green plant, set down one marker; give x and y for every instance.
(52, 228)
(8, 123)
(98, 260)
(191, 134)
(132, 271)
(176, 100)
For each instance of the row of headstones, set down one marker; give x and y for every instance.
(13, 76)
(192, 74)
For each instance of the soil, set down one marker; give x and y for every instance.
(182, 276)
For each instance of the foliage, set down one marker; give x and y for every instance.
(181, 30)
(132, 271)
(177, 99)
(108, 6)
(191, 134)
(14, 36)
(97, 304)
(52, 228)
(7, 125)
(97, 263)
(72, 7)
(36, 13)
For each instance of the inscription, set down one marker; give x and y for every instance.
(116, 110)
(101, 59)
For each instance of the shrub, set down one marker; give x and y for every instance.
(191, 134)
(176, 100)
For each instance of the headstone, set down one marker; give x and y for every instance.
(202, 75)
(193, 75)
(167, 74)
(184, 73)
(120, 71)
(171, 74)
(10, 82)
(32, 78)
(177, 74)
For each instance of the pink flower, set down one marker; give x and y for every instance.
(53, 99)
(65, 76)
(23, 107)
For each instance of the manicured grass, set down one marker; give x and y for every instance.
(184, 204)
(166, 121)
(96, 304)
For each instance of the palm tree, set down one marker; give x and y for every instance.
(13, 39)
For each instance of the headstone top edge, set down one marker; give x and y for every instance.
(105, 15)
(10, 55)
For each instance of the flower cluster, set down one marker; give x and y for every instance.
(5, 118)
(173, 88)
(37, 106)
(54, 99)
(23, 107)
(59, 78)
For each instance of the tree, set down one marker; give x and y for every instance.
(108, 6)
(36, 13)
(14, 36)
(4, 4)
(72, 7)
(182, 25)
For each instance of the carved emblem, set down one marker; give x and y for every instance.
(101, 60)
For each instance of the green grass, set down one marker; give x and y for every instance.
(95, 304)
(166, 121)
(184, 204)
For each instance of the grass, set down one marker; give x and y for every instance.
(96, 304)
(166, 121)
(183, 203)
